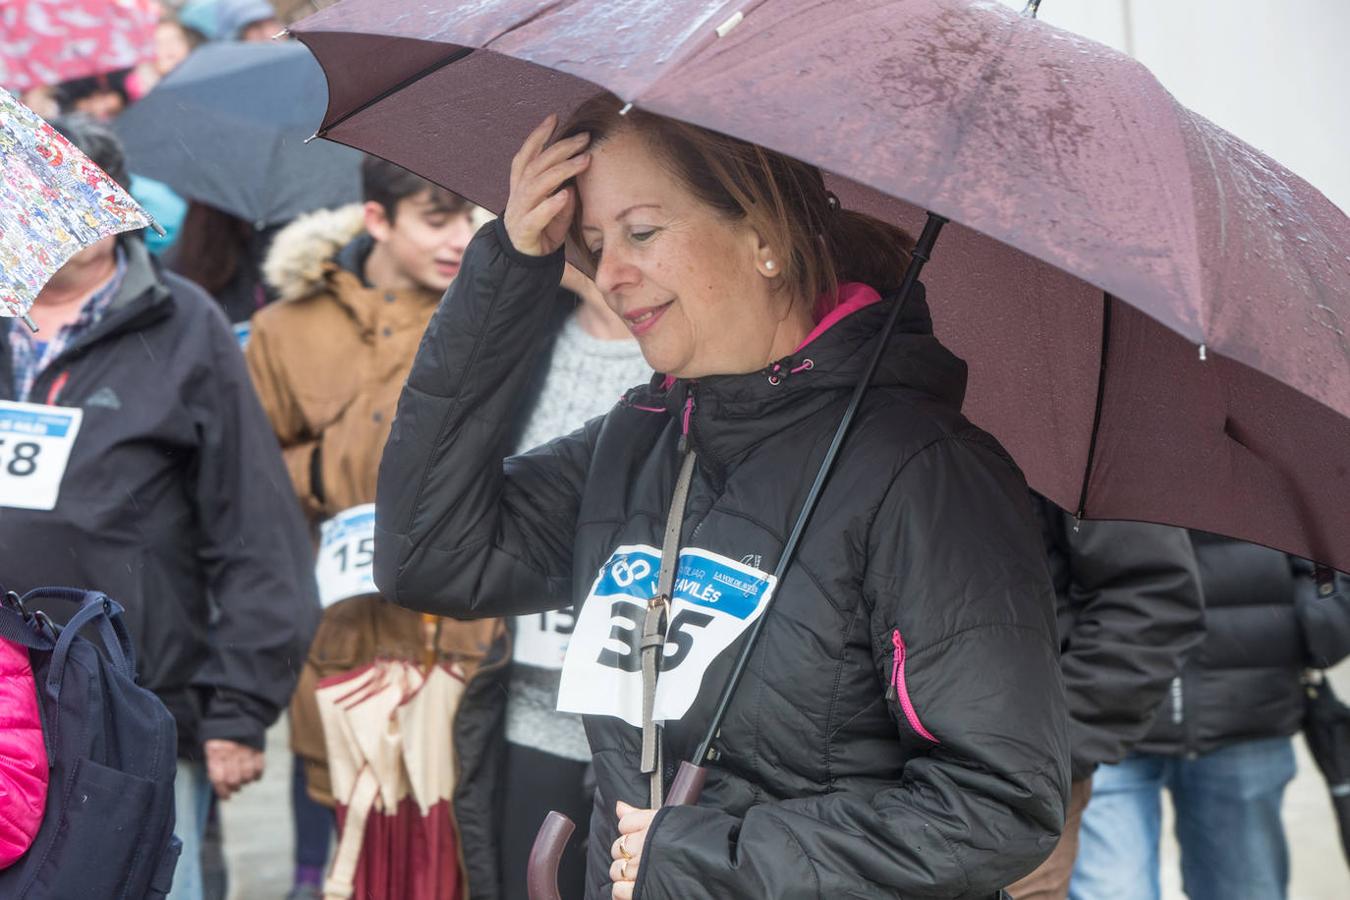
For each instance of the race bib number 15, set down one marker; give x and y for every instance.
(715, 600)
(35, 445)
(346, 555)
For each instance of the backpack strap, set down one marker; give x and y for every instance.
(95, 607)
(19, 626)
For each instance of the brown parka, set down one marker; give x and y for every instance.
(329, 359)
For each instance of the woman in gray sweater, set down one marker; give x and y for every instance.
(595, 359)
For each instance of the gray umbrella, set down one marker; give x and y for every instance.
(228, 128)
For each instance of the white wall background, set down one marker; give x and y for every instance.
(1276, 73)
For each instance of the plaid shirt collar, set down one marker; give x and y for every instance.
(31, 357)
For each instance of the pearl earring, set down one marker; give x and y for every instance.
(769, 265)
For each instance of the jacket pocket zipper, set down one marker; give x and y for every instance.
(897, 690)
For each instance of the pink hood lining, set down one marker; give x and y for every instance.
(853, 296)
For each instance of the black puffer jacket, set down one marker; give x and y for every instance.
(1130, 609)
(922, 570)
(1243, 681)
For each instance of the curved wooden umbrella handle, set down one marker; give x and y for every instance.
(541, 873)
(541, 876)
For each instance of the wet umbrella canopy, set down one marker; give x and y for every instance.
(54, 202)
(1213, 393)
(228, 127)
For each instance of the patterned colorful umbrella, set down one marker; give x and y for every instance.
(53, 202)
(46, 42)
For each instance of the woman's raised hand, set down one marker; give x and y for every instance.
(539, 210)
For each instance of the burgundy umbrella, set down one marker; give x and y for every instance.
(1154, 313)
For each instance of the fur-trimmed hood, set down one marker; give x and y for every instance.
(302, 256)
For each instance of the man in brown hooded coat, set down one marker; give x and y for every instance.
(357, 287)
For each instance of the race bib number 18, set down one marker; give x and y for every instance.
(35, 445)
(346, 555)
(715, 600)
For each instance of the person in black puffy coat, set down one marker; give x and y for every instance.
(1130, 608)
(900, 730)
(1221, 743)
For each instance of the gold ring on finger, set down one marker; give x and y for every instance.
(623, 848)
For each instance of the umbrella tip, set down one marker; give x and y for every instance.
(310, 138)
(1032, 7)
(283, 33)
(626, 108)
(725, 28)
(1202, 353)
(28, 320)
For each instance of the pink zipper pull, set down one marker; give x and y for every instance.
(684, 424)
(897, 666)
(897, 690)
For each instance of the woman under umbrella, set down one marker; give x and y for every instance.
(900, 727)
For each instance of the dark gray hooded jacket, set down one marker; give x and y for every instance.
(175, 503)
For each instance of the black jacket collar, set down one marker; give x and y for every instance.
(730, 414)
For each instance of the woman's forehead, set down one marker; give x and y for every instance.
(626, 178)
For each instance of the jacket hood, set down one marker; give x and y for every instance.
(727, 414)
(141, 275)
(305, 253)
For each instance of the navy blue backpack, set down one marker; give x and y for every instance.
(107, 833)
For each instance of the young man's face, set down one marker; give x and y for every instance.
(426, 240)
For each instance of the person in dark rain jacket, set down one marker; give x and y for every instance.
(174, 500)
(1221, 742)
(1130, 607)
(900, 730)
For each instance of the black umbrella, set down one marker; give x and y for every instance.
(1326, 728)
(228, 128)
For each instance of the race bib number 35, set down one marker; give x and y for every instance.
(35, 445)
(346, 555)
(715, 600)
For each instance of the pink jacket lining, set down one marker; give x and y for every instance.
(23, 755)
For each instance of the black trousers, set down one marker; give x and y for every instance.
(536, 782)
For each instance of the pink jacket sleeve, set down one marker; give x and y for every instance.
(23, 756)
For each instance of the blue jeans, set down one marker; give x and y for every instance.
(1227, 822)
(191, 803)
(313, 822)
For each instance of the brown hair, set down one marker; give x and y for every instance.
(212, 245)
(782, 198)
(388, 184)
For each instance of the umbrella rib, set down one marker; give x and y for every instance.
(1097, 414)
(389, 92)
